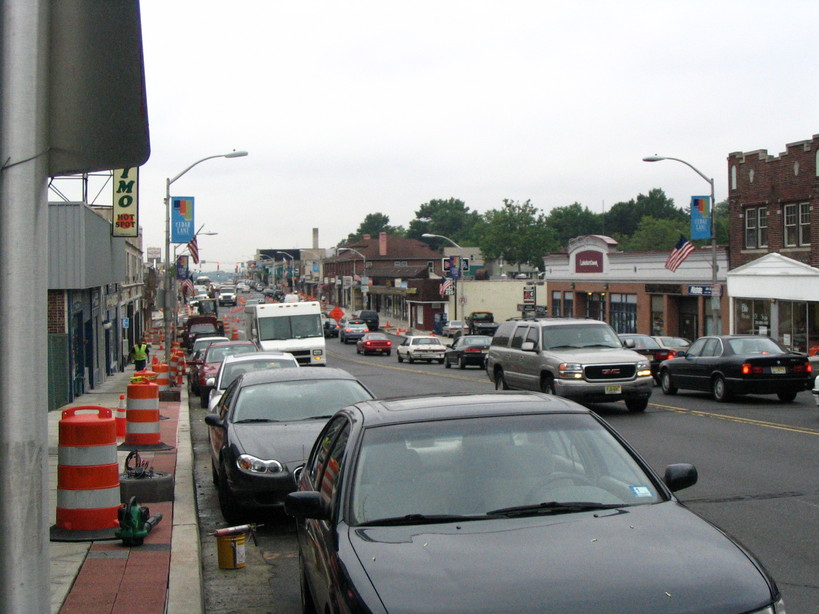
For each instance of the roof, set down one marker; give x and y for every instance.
(288, 375)
(445, 407)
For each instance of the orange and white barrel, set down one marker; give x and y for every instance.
(87, 471)
(163, 377)
(119, 416)
(142, 415)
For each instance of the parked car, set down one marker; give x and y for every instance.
(202, 342)
(263, 428)
(207, 363)
(468, 350)
(352, 330)
(330, 326)
(239, 364)
(374, 342)
(505, 502)
(481, 323)
(648, 347)
(672, 343)
(453, 326)
(421, 347)
(816, 390)
(728, 365)
(370, 318)
(583, 360)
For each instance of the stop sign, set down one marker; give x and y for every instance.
(337, 313)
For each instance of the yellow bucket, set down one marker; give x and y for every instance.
(231, 550)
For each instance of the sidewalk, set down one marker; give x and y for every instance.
(162, 575)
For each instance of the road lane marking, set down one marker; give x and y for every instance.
(739, 419)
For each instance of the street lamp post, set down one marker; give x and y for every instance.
(363, 270)
(290, 271)
(428, 235)
(715, 300)
(170, 296)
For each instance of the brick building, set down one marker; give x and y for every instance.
(774, 239)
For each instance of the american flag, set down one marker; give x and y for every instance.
(681, 251)
(443, 289)
(187, 287)
(193, 248)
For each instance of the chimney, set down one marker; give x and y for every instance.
(315, 238)
(382, 243)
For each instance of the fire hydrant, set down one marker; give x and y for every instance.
(135, 523)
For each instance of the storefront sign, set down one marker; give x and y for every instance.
(709, 290)
(663, 289)
(126, 203)
(588, 261)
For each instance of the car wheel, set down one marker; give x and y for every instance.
(357, 350)
(400, 358)
(636, 405)
(547, 385)
(203, 398)
(720, 389)
(461, 362)
(410, 359)
(388, 352)
(665, 383)
(500, 381)
(440, 361)
(447, 364)
(786, 396)
(214, 474)
(307, 604)
(231, 511)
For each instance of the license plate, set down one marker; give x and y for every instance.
(613, 389)
(779, 370)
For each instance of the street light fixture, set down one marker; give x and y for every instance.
(363, 270)
(429, 235)
(292, 265)
(170, 296)
(715, 300)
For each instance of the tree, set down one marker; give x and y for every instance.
(624, 217)
(518, 233)
(654, 234)
(450, 218)
(373, 224)
(572, 221)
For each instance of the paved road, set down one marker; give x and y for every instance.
(757, 460)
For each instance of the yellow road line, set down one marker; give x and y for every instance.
(739, 419)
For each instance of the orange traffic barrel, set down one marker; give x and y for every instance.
(119, 417)
(142, 415)
(163, 376)
(87, 471)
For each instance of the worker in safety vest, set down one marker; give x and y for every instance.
(140, 355)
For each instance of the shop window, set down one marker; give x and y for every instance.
(657, 315)
(793, 325)
(568, 304)
(624, 312)
(556, 304)
(752, 317)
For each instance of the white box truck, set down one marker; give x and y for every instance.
(288, 327)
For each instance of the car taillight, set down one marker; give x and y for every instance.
(666, 355)
(749, 369)
(472, 350)
(803, 368)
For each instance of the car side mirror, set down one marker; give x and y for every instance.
(306, 504)
(679, 476)
(214, 420)
(628, 343)
(528, 346)
(211, 381)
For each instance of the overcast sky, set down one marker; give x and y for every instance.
(355, 107)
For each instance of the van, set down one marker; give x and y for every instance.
(369, 316)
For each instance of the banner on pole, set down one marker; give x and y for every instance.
(701, 212)
(182, 229)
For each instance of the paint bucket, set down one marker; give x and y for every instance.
(231, 550)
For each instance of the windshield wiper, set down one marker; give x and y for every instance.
(248, 420)
(559, 347)
(327, 417)
(553, 507)
(410, 519)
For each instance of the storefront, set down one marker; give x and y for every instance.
(777, 297)
(634, 292)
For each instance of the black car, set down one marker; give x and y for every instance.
(370, 318)
(727, 365)
(263, 426)
(650, 348)
(330, 327)
(468, 350)
(505, 502)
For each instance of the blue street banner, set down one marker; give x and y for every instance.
(701, 217)
(182, 229)
(455, 267)
(182, 267)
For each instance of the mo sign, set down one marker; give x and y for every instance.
(125, 222)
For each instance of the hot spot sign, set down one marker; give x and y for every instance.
(126, 205)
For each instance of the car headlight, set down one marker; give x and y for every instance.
(643, 368)
(251, 464)
(571, 370)
(776, 608)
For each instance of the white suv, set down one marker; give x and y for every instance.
(583, 360)
(227, 296)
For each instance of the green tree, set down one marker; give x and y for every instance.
(654, 234)
(373, 224)
(623, 218)
(518, 233)
(573, 220)
(450, 218)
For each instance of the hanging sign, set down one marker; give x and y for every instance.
(182, 229)
(125, 218)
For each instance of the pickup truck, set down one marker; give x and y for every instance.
(201, 326)
(481, 323)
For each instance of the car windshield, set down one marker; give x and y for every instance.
(231, 371)
(426, 341)
(493, 466)
(290, 327)
(580, 336)
(755, 345)
(376, 337)
(477, 340)
(218, 354)
(295, 400)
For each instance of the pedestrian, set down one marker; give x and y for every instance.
(140, 353)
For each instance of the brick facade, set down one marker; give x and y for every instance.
(57, 319)
(756, 179)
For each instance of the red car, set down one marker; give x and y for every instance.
(206, 364)
(374, 342)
